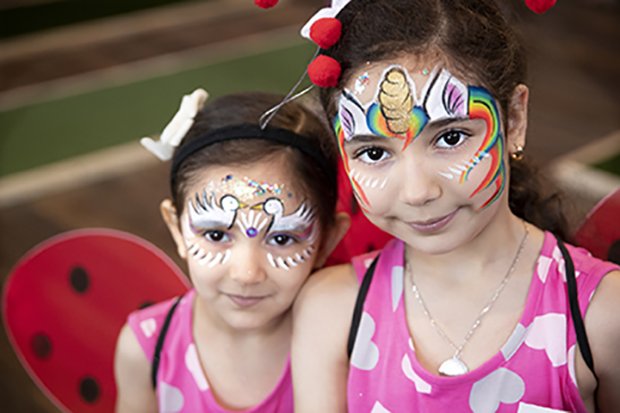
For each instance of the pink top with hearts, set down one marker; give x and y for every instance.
(533, 372)
(182, 385)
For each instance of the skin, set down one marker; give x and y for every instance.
(322, 312)
(258, 335)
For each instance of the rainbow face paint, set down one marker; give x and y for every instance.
(482, 106)
(398, 111)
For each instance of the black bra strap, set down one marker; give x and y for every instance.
(580, 330)
(160, 341)
(359, 305)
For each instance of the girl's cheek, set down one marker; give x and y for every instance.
(480, 179)
(373, 191)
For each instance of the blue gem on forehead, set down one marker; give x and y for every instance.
(251, 232)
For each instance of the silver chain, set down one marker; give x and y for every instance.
(485, 309)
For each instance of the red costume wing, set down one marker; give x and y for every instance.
(66, 301)
(600, 233)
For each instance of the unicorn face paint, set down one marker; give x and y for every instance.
(396, 115)
(250, 238)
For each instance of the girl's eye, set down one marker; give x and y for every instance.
(216, 236)
(281, 240)
(372, 155)
(451, 139)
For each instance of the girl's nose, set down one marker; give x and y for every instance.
(247, 265)
(420, 184)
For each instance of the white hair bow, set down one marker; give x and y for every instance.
(176, 129)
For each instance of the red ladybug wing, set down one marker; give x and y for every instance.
(66, 301)
(600, 233)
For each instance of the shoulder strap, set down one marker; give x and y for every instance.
(580, 330)
(160, 341)
(359, 305)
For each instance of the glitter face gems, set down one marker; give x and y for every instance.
(246, 190)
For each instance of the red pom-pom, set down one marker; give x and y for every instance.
(540, 6)
(326, 32)
(265, 4)
(324, 71)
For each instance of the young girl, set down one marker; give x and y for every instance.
(252, 213)
(468, 309)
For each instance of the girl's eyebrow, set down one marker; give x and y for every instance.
(440, 123)
(356, 139)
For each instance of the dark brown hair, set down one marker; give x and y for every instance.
(477, 42)
(246, 108)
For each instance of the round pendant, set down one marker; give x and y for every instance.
(453, 367)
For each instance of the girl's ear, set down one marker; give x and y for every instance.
(335, 233)
(169, 214)
(517, 119)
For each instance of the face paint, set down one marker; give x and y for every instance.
(286, 263)
(399, 112)
(368, 182)
(246, 190)
(251, 223)
(483, 106)
(208, 258)
(361, 83)
(204, 212)
(301, 221)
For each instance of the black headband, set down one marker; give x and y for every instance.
(248, 131)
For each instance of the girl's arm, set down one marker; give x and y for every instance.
(322, 319)
(602, 323)
(132, 371)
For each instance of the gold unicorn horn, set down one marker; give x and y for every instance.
(395, 100)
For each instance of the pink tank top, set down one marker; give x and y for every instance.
(533, 372)
(181, 383)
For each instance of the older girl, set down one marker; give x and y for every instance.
(472, 308)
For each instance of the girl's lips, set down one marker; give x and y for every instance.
(433, 225)
(243, 301)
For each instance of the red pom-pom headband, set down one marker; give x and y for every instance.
(325, 30)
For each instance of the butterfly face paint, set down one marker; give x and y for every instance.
(397, 111)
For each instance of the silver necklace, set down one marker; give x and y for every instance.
(454, 366)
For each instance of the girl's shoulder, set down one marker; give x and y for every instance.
(146, 323)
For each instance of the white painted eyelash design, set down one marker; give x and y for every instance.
(208, 258)
(291, 261)
(457, 170)
(368, 182)
(250, 223)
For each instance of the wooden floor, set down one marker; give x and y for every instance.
(574, 69)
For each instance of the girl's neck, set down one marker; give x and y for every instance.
(208, 324)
